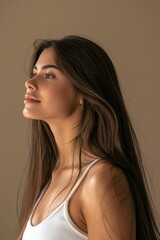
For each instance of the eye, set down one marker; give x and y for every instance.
(33, 75)
(49, 75)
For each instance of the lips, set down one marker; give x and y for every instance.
(30, 98)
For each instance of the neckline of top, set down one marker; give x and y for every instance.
(70, 194)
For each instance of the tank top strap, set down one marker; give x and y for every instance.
(75, 187)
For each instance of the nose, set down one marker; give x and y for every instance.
(31, 85)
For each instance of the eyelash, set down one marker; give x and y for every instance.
(47, 75)
(33, 75)
(50, 76)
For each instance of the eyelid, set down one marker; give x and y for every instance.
(49, 74)
(33, 75)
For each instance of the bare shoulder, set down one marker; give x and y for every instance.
(107, 203)
(104, 176)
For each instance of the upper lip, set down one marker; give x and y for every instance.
(28, 96)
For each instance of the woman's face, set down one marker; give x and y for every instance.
(49, 94)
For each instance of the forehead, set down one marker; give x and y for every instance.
(47, 57)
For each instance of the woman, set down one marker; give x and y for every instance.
(85, 176)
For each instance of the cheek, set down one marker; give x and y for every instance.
(57, 95)
(61, 100)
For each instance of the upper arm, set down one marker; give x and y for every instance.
(107, 205)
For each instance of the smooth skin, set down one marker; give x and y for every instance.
(102, 205)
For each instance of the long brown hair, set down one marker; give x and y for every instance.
(105, 128)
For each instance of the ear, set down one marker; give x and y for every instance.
(81, 101)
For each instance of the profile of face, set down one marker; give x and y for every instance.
(50, 95)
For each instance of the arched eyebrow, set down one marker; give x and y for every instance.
(46, 66)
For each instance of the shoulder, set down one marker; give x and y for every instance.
(104, 176)
(107, 201)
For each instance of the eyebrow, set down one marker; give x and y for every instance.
(46, 66)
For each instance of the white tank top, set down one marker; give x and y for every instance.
(58, 225)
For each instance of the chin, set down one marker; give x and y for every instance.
(29, 115)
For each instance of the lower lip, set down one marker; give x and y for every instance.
(31, 101)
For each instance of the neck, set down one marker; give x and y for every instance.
(65, 133)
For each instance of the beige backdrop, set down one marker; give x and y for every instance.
(130, 33)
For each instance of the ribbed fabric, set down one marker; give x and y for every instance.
(58, 225)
